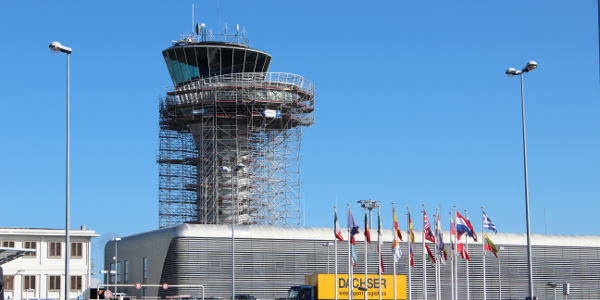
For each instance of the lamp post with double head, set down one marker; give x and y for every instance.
(531, 65)
(58, 47)
(327, 244)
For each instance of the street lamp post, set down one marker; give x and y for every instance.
(531, 65)
(116, 259)
(57, 47)
(367, 205)
(553, 286)
(328, 244)
(234, 220)
(106, 272)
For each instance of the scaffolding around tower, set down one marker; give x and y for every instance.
(230, 148)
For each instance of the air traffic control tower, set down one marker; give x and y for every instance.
(230, 134)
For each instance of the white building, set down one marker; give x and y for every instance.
(40, 274)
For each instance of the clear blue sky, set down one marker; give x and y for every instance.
(412, 106)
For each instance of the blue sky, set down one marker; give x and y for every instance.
(412, 106)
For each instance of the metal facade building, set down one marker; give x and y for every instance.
(270, 259)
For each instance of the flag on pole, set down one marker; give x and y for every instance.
(336, 227)
(396, 226)
(412, 256)
(353, 227)
(397, 253)
(452, 233)
(427, 228)
(489, 246)
(462, 251)
(354, 256)
(411, 229)
(367, 231)
(379, 242)
(488, 224)
(439, 235)
(464, 226)
(444, 253)
(429, 254)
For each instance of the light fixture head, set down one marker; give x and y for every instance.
(58, 47)
(531, 65)
(512, 72)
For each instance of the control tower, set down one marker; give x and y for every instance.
(230, 134)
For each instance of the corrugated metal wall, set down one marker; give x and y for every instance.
(266, 268)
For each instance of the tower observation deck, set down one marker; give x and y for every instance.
(230, 134)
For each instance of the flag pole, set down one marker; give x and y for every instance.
(440, 256)
(366, 250)
(467, 261)
(436, 255)
(350, 275)
(452, 258)
(393, 258)
(424, 263)
(380, 259)
(455, 256)
(409, 242)
(335, 247)
(483, 253)
(499, 277)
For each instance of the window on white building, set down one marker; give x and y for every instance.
(76, 250)
(30, 245)
(76, 284)
(9, 282)
(54, 250)
(8, 244)
(29, 282)
(54, 283)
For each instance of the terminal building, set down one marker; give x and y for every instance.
(34, 266)
(270, 259)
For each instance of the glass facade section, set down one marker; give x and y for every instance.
(226, 60)
(250, 63)
(238, 60)
(186, 63)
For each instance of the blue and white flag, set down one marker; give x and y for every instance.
(487, 223)
(352, 227)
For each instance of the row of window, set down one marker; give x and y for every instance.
(123, 271)
(29, 282)
(54, 248)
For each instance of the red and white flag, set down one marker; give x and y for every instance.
(462, 251)
(427, 228)
(367, 230)
(336, 227)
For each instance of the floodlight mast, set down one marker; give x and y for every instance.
(58, 47)
(531, 65)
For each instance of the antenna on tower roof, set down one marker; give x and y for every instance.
(193, 18)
